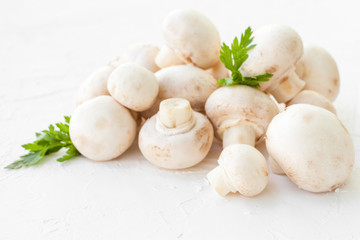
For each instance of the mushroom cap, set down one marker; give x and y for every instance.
(170, 150)
(183, 81)
(102, 129)
(167, 57)
(312, 146)
(95, 85)
(192, 36)
(278, 48)
(313, 98)
(231, 105)
(142, 54)
(245, 167)
(319, 70)
(133, 86)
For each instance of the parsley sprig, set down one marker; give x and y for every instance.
(47, 142)
(235, 56)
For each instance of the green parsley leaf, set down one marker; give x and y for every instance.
(234, 57)
(47, 142)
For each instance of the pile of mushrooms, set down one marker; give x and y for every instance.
(168, 96)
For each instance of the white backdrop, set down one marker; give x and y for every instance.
(47, 48)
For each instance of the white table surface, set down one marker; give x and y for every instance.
(47, 48)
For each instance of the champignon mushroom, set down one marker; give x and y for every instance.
(176, 137)
(95, 85)
(241, 169)
(278, 48)
(143, 55)
(192, 36)
(240, 114)
(133, 86)
(319, 70)
(183, 81)
(102, 129)
(167, 57)
(313, 98)
(311, 146)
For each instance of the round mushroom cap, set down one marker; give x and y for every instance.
(278, 48)
(313, 98)
(102, 129)
(183, 81)
(192, 36)
(319, 70)
(312, 146)
(133, 86)
(142, 54)
(176, 151)
(230, 105)
(246, 168)
(95, 85)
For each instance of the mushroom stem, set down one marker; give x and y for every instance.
(175, 112)
(218, 179)
(288, 87)
(242, 133)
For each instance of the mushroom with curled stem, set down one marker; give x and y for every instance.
(313, 98)
(176, 137)
(167, 57)
(101, 129)
(183, 81)
(319, 70)
(311, 146)
(192, 36)
(240, 115)
(278, 48)
(142, 54)
(133, 86)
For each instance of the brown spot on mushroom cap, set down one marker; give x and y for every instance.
(307, 118)
(335, 81)
(203, 133)
(159, 152)
(284, 79)
(272, 69)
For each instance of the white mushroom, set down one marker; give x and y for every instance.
(176, 137)
(167, 57)
(311, 146)
(240, 114)
(319, 70)
(133, 86)
(95, 85)
(241, 169)
(277, 50)
(143, 55)
(102, 129)
(183, 81)
(193, 37)
(313, 98)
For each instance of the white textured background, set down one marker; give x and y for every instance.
(47, 48)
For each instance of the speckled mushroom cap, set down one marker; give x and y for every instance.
(319, 70)
(278, 48)
(183, 81)
(312, 147)
(192, 37)
(231, 105)
(142, 54)
(174, 148)
(102, 129)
